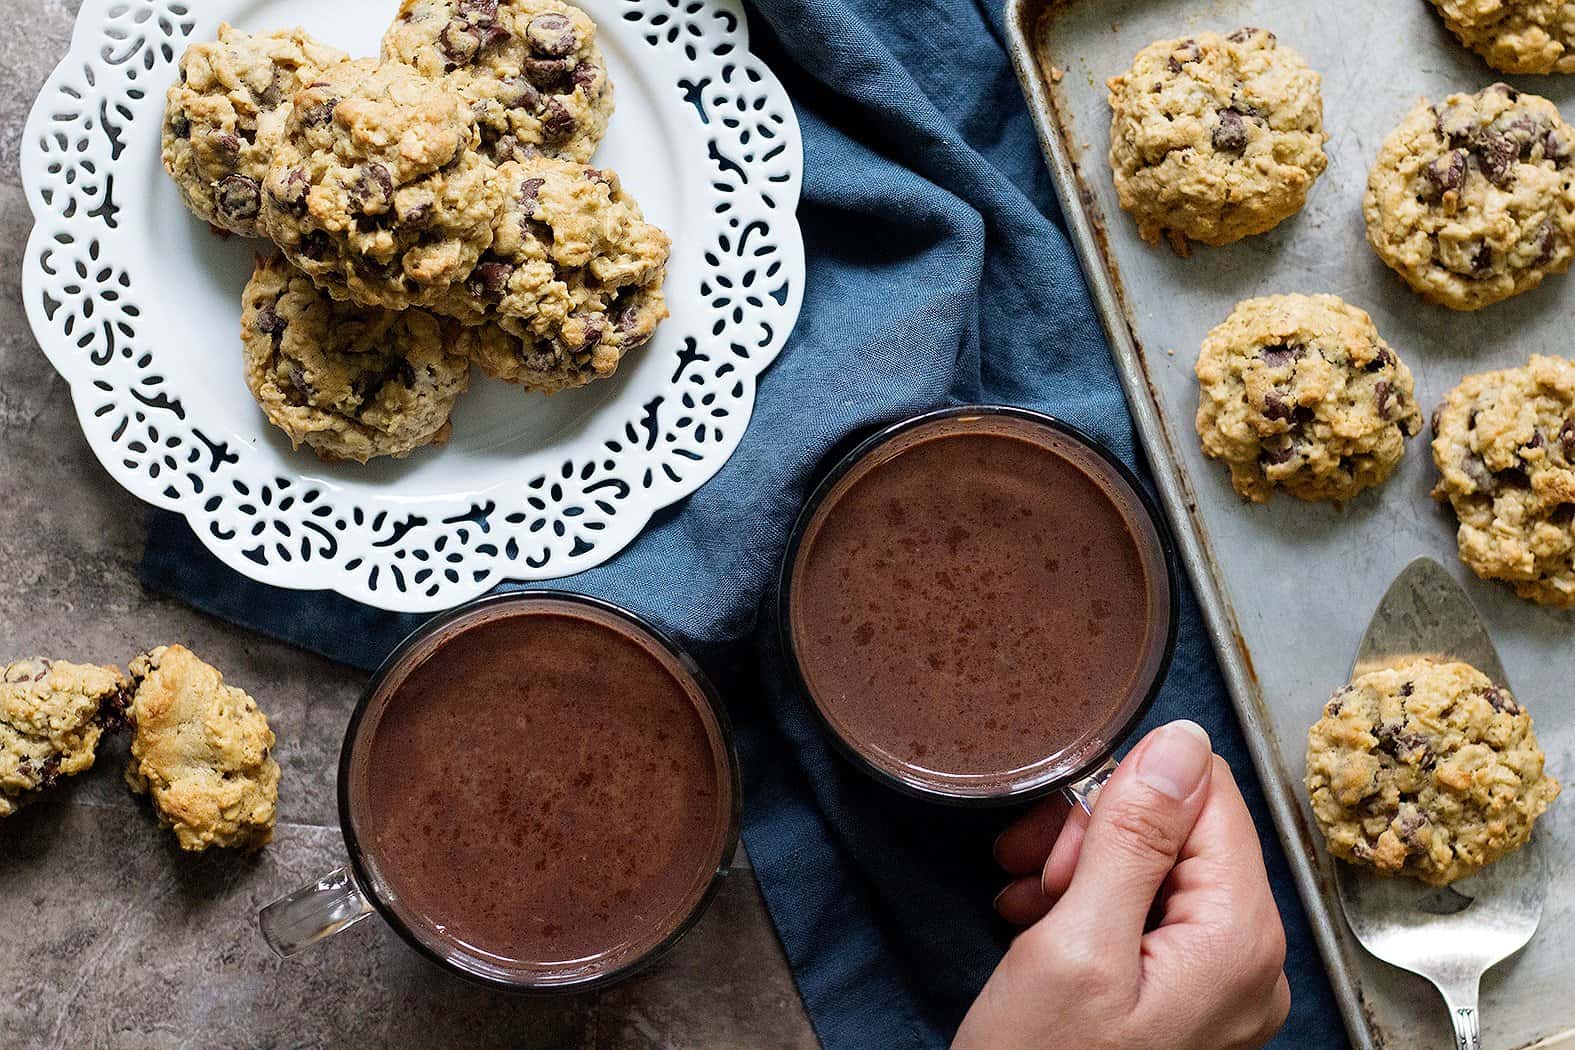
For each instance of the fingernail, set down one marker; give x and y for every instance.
(1176, 759)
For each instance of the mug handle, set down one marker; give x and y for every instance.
(1084, 791)
(314, 912)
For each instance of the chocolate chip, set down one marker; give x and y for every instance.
(1547, 244)
(490, 280)
(316, 245)
(1408, 747)
(1567, 438)
(556, 120)
(1230, 135)
(459, 42)
(595, 328)
(520, 93)
(1474, 468)
(509, 147)
(552, 34)
(268, 320)
(291, 197)
(1512, 477)
(1276, 407)
(180, 126)
(600, 176)
(271, 95)
(1556, 146)
(1496, 154)
(1277, 456)
(1382, 393)
(1482, 261)
(225, 142)
(419, 215)
(1280, 354)
(375, 187)
(1562, 515)
(1446, 173)
(1505, 90)
(1437, 418)
(547, 72)
(1246, 33)
(1407, 688)
(584, 76)
(479, 12)
(322, 113)
(529, 188)
(1537, 440)
(239, 197)
(1409, 827)
(1500, 700)
(1333, 707)
(49, 773)
(1381, 359)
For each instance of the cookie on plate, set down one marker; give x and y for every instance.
(531, 69)
(1515, 36)
(225, 118)
(574, 273)
(52, 715)
(202, 751)
(1504, 444)
(1473, 200)
(350, 382)
(1215, 138)
(1300, 392)
(1427, 770)
(377, 192)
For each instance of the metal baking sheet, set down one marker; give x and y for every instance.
(1287, 589)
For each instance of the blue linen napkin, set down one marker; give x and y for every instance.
(938, 272)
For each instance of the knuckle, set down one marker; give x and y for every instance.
(1143, 831)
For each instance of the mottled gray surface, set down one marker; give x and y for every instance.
(109, 937)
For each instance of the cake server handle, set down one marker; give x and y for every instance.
(312, 913)
(1084, 791)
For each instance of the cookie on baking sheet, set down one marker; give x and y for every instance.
(1300, 392)
(350, 382)
(202, 751)
(225, 118)
(1504, 444)
(574, 276)
(1473, 200)
(1428, 770)
(1215, 138)
(52, 715)
(1515, 36)
(377, 191)
(530, 68)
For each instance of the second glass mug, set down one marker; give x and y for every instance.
(1080, 773)
(349, 894)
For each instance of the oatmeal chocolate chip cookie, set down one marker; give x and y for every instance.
(351, 382)
(1300, 392)
(1504, 443)
(51, 717)
(530, 68)
(225, 118)
(574, 274)
(202, 751)
(1427, 770)
(1215, 138)
(1515, 36)
(1473, 200)
(377, 192)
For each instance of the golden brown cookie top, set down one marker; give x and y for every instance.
(1214, 138)
(1427, 769)
(203, 751)
(52, 714)
(1504, 445)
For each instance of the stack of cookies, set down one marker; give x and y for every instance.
(431, 209)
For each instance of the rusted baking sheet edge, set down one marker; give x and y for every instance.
(1023, 19)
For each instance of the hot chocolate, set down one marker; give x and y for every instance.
(546, 796)
(978, 604)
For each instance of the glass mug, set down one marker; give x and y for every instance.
(505, 869)
(878, 512)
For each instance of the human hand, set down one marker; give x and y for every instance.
(1149, 924)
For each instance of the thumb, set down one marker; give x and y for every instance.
(1141, 820)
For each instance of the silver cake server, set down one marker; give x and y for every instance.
(1450, 935)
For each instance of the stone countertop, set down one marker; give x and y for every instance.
(109, 936)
